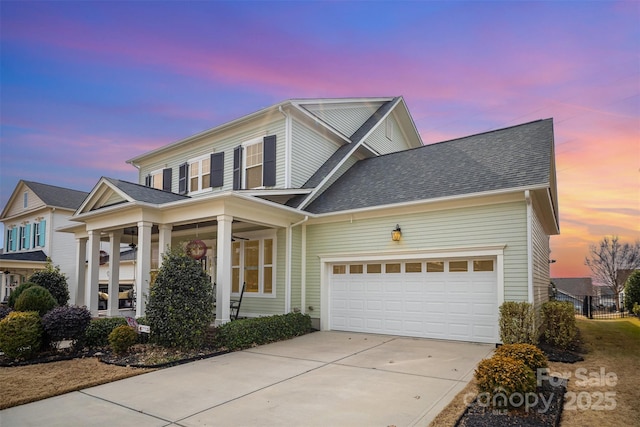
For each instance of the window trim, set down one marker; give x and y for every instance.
(190, 163)
(245, 145)
(153, 174)
(260, 236)
(36, 234)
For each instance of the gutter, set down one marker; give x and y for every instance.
(527, 198)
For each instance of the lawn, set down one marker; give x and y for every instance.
(603, 389)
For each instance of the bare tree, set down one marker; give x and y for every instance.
(611, 263)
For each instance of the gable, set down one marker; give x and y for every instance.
(15, 205)
(347, 117)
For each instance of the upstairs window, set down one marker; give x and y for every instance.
(254, 164)
(24, 236)
(25, 200)
(199, 174)
(38, 234)
(253, 168)
(11, 239)
(159, 179)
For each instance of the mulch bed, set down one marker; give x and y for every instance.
(557, 355)
(479, 414)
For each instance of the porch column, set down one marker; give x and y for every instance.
(164, 240)
(114, 273)
(91, 297)
(81, 271)
(143, 266)
(223, 273)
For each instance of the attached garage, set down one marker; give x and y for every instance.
(453, 299)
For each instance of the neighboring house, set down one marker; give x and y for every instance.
(333, 207)
(574, 290)
(30, 218)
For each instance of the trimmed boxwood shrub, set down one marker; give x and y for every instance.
(4, 311)
(35, 298)
(53, 280)
(559, 323)
(499, 377)
(246, 333)
(21, 334)
(180, 304)
(97, 333)
(531, 355)
(122, 338)
(17, 292)
(66, 322)
(517, 323)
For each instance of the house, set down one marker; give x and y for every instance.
(30, 218)
(335, 208)
(574, 290)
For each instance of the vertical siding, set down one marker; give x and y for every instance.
(220, 143)
(540, 254)
(309, 151)
(378, 139)
(473, 226)
(346, 119)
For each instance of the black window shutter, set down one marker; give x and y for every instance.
(147, 181)
(182, 178)
(166, 179)
(237, 167)
(269, 161)
(217, 169)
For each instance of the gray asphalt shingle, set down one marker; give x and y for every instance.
(142, 193)
(60, 197)
(513, 157)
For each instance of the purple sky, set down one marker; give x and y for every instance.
(88, 85)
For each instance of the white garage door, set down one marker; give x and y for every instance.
(448, 299)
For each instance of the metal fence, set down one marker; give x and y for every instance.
(596, 307)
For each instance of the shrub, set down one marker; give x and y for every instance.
(21, 334)
(97, 333)
(122, 338)
(180, 304)
(17, 292)
(66, 322)
(559, 323)
(531, 355)
(636, 309)
(4, 311)
(517, 323)
(247, 333)
(632, 290)
(499, 377)
(35, 298)
(54, 281)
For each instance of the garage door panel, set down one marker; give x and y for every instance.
(447, 305)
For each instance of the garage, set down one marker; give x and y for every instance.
(453, 299)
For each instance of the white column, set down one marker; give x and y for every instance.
(91, 296)
(223, 273)
(143, 267)
(114, 273)
(81, 272)
(164, 240)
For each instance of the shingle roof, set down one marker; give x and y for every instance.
(517, 156)
(574, 286)
(142, 193)
(38, 256)
(57, 196)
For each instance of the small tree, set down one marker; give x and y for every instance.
(632, 291)
(53, 280)
(180, 304)
(612, 262)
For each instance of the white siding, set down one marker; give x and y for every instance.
(62, 248)
(473, 226)
(309, 151)
(541, 279)
(33, 202)
(345, 118)
(378, 139)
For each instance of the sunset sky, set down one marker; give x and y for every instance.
(88, 85)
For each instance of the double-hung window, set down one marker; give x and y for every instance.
(159, 179)
(156, 180)
(199, 174)
(37, 234)
(252, 263)
(253, 164)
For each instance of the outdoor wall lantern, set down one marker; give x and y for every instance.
(396, 234)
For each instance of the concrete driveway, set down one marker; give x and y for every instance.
(320, 379)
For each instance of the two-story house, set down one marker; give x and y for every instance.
(30, 218)
(335, 208)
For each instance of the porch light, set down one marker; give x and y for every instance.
(396, 234)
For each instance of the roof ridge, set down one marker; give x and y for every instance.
(54, 186)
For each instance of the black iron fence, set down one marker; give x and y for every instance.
(596, 307)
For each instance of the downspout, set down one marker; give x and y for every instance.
(287, 298)
(527, 198)
(287, 148)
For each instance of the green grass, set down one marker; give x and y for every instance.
(617, 338)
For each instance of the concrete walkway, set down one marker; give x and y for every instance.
(320, 379)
